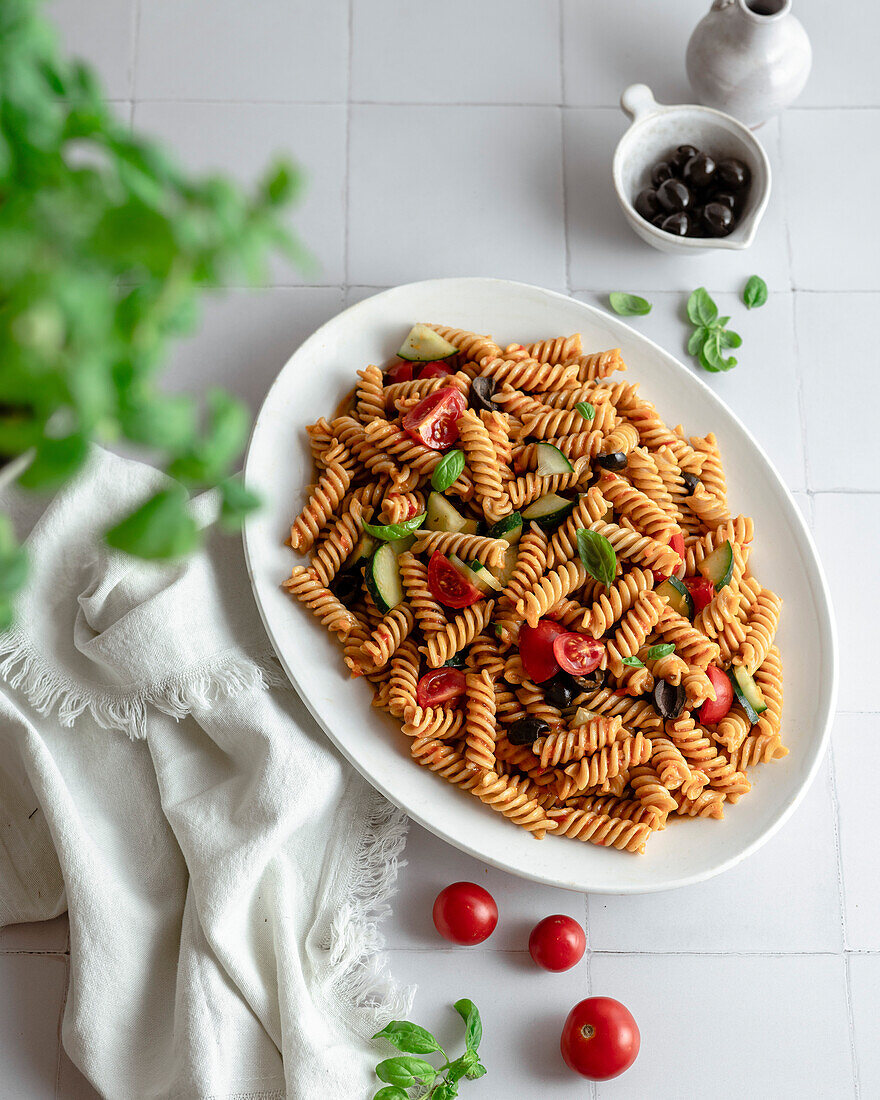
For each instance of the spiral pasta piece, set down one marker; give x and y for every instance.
(607, 832)
(600, 364)
(600, 766)
(670, 667)
(485, 550)
(697, 687)
(471, 344)
(529, 374)
(570, 613)
(551, 588)
(690, 644)
(769, 679)
(404, 677)
(758, 748)
(397, 507)
(613, 602)
(370, 395)
(709, 510)
(511, 798)
(530, 486)
(305, 587)
(638, 548)
(466, 625)
(712, 472)
(582, 445)
(480, 738)
(563, 545)
(547, 421)
(634, 713)
(650, 791)
(416, 387)
(338, 543)
(428, 612)
(444, 759)
(567, 745)
(738, 531)
(323, 501)
(719, 620)
(531, 696)
(762, 623)
(561, 349)
(708, 803)
(634, 627)
(731, 730)
(498, 426)
(653, 432)
(672, 769)
(692, 742)
(522, 757)
(645, 476)
(482, 462)
(387, 636)
(623, 439)
(432, 722)
(647, 516)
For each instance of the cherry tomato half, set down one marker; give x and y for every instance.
(577, 654)
(600, 1038)
(432, 421)
(701, 589)
(536, 649)
(448, 586)
(676, 541)
(440, 685)
(713, 710)
(465, 913)
(401, 371)
(557, 943)
(434, 369)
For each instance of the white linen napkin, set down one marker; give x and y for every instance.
(224, 870)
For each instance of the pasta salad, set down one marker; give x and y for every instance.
(544, 584)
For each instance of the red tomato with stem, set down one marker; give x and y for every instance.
(440, 685)
(701, 589)
(557, 943)
(600, 1039)
(432, 421)
(447, 584)
(536, 649)
(434, 369)
(713, 710)
(577, 654)
(401, 371)
(465, 913)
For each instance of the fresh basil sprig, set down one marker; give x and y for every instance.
(628, 305)
(408, 1071)
(633, 662)
(662, 650)
(755, 292)
(388, 532)
(447, 470)
(597, 554)
(586, 410)
(710, 336)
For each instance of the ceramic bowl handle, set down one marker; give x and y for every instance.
(638, 101)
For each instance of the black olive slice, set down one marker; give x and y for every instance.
(615, 461)
(481, 394)
(560, 690)
(668, 700)
(592, 682)
(527, 730)
(691, 481)
(347, 585)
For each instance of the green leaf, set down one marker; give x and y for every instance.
(705, 364)
(236, 503)
(162, 528)
(729, 339)
(408, 1037)
(446, 1090)
(755, 292)
(700, 307)
(473, 1024)
(167, 423)
(476, 1072)
(628, 305)
(282, 184)
(209, 458)
(390, 1092)
(698, 338)
(662, 650)
(388, 532)
(710, 354)
(54, 462)
(405, 1072)
(597, 555)
(586, 410)
(447, 470)
(633, 662)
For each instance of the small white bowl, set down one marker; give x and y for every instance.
(655, 131)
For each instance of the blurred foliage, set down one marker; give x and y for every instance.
(105, 246)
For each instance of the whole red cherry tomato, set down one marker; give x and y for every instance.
(401, 371)
(676, 541)
(434, 369)
(577, 654)
(701, 589)
(713, 710)
(536, 649)
(557, 943)
(433, 421)
(600, 1038)
(447, 584)
(465, 913)
(440, 685)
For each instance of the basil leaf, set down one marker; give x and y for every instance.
(161, 528)
(388, 532)
(628, 305)
(447, 470)
(237, 502)
(720, 322)
(390, 1092)
(700, 307)
(473, 1024)
(755, 292)
(476, 1072)
(55, 461)
(698, 338)
(597, 554)
(405, 1072)
(444, 1091)
(705, 364)
(729, 339)
(658, 651)
(408, 1037)
(586, 410)
(633, 662)
(712, 351)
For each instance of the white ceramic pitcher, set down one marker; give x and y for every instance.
(750, 58)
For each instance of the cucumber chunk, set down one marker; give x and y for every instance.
(443, 516)
(747, 692)
(362, 552)
(424, 345)
(402, 544)
(503, 573)
(679, 598)
(477, 574)
(510, 528)
(471, 527)
(549, 510)
(581, 716)
(718, 566)
(551, 460)
(383, 578)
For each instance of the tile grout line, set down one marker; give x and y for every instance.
(850, 1018)
(434, 103)
(346, 245)
(135, 53)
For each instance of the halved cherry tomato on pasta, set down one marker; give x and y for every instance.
(440, 685)
(536, 649)
(600, 1038)
(401, 371)
(433, 370)
(701, 589)
(713, 710)
(447, 584)
(577, 654)
(432, 421)
(676, 541)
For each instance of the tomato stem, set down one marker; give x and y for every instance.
(588, 1031)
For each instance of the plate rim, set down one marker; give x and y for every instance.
(827, 628)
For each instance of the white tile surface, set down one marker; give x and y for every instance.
(767, 363)
(833, 37)
(865, 985)
(607, 255)
(223, 49)
(774, 1028)
(799, 864)
(455, 52)
(243, 139)
(30, 1014)
(832, 246)
(490, 205)
(855, 586)
(860, 861)
(101, 32)
(47, 936)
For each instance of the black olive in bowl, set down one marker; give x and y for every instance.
(647, 204)
(733, 174)
(718, 219)
(674, 195)
(681, 156)
(661, 172)
(679, 225)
